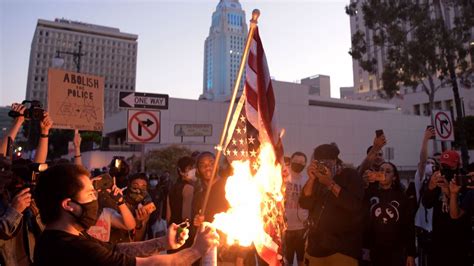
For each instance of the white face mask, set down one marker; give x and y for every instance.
(153, 182)
(190, 175)
(428, 169)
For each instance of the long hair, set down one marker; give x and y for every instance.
(396, 183)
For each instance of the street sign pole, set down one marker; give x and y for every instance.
(142, 164)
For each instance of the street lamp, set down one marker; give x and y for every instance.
(58, 61)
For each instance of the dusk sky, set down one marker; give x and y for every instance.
(301, 39)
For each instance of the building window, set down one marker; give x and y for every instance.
(416, 109)
(426, 109)
(437, 106)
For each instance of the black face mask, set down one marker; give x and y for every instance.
(90, 214)
(296, 167)
(136, 195)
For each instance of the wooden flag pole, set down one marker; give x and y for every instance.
(253, 25)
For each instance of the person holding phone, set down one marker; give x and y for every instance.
(137, 199)
(390, 231)
(333, 195)
(466, 207)
(450, 242)
(373, 159)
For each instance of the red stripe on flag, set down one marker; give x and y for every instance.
(252, 97)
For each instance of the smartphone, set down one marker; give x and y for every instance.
(150, 207)
(118, 163)
(377, 176)
(379, 132)
(432, 128)
(464, 180)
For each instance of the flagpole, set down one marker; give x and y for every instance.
(253, 25)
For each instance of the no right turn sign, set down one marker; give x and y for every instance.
(443, 125)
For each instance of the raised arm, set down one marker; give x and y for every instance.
(42, 149)
(379, 143)
(16, 125)
(307, 198)
(77, 148)
(123, 220)
(429, 132)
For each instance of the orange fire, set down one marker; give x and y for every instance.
(255, 202)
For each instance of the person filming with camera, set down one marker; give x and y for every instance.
(456, 211)
(450, 242)
(334, 197)
(20, 223)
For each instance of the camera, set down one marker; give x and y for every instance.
(25, 176)
(34, 112)
(118, 167)
(104, 183)
(322, 167)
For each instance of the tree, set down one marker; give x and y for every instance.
(164, 159)
(419, 46)
(469, 126)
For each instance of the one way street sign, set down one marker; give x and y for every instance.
(143, 100)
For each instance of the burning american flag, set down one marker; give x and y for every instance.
(253, 146)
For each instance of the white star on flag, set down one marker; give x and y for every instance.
(251, 140)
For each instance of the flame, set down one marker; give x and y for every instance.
(254, 202)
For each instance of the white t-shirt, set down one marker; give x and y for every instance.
(101, 230)
(295, 215)
(423, 217)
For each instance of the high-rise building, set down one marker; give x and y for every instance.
(107, 52)
(365, 81)
(223, 51)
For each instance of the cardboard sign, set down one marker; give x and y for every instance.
(75, 100)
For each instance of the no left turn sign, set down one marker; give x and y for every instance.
(143, 126)
(443, 125)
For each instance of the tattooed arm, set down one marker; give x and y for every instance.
(154, 246)
(144, 248)
(184, 257)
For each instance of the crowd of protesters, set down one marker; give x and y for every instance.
(335, 214)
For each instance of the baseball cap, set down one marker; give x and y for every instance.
(450, 158)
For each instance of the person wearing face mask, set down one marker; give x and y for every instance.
(136, 197)
(389, 231)
(113, 212)
(68, 206)
(295, 216)
(424, 216)
(451, 237)
(333, 195)
(180, 197)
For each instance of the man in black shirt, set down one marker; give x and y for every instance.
(334, 196)
(68, 206)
